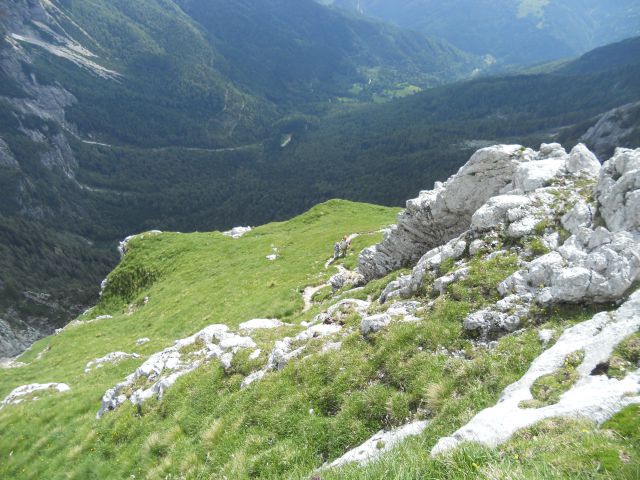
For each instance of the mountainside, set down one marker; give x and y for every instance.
(292, 50)
(98, 97)
(501, 309)
(377, 152)
(513, 31)
(102, 135)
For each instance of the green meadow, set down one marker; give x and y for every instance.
(289, 424)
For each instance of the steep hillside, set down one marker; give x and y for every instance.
(298, 51)
(501, 309)
(107, 109)
(103, 192)
(513, 31)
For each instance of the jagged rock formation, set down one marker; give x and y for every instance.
(16, 334)
(595, 264)
(599, 208)
(438, 215)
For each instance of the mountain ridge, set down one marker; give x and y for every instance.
(484, 307)
(512, 31)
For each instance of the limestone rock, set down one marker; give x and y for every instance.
(406, 309)
(618, 191)
(552, 150)
(488, 322)
(532, 175)
(494, 211)
(374, 323)
(378, 444)
(441, 283)
(161, 370)
(337, 312)
(113, 357)
(261, 324)
(237, 232)
(17, 394)
(582, 161)
(596, 397)
(346, 279)
(523, 227)
(430, 262)
(476, 246)
(591, 266)
(616, 127)
(438, 215)
(581, 215)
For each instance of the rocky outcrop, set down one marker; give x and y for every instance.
(161, 370)
(19, 331)
(40, 24)
(595, 397)
(596, 263)
(598, 207)
(618, 192)
(374, 323)
(438, 215)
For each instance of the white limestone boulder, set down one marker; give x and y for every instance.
(494, 211)
(582, 161)
(618, 191)
(112, 358)
(378, 444)
(261, 324)
(17, 394)
(532, 175)
(374, 323)
(237, 232)
(346, 279)
(441, 214)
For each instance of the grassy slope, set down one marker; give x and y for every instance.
(206, 427)
(206, 278)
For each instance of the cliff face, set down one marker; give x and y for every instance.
(618, 127)
(504, 297)
(43, 208)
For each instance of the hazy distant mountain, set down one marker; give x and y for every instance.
(514, 31)
(297, 49)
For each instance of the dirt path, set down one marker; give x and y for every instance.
(308, 294)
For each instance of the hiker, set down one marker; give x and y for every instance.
(345, 243)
